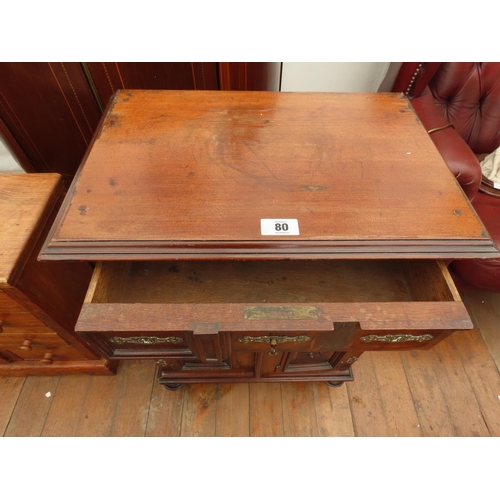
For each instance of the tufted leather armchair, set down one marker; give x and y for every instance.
(459, 105)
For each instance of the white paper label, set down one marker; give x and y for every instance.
(279, 227)
(496, 185)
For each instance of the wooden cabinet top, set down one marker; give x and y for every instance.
(26, 200)
(192, 174)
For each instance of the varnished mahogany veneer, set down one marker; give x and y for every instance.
(179, 174)
(169, 201)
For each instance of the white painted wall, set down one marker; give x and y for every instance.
(338, 76)
(7, 161)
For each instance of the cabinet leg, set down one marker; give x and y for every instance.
(172, 387)
(335, 384)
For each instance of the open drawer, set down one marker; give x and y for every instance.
(226, 313)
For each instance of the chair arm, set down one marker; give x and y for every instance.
(413, 78)
(455, 151)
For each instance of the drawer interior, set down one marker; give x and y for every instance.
(299, 281)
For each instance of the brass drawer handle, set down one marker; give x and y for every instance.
(273, 340)
(395, 339)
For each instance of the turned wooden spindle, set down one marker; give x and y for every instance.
(47, 358)
(26, 345)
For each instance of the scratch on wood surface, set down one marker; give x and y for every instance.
(261, 161)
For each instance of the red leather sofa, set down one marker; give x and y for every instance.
(459, 105)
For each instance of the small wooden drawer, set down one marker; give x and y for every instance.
(14, 319)
(122, 345)
(25, 337)
(8, 339)
(21, 322)
(210, 309)
(279, 341)
(39, 352)
(8, 304)
(398, 341)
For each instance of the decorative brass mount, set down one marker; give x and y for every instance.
(146, 340)
(397, 338)
(273, 340)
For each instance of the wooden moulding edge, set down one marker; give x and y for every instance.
(377, 249)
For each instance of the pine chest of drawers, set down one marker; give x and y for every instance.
(39, 301)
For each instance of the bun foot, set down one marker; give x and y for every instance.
(172, 387)
(335, 384)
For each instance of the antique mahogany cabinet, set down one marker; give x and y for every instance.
(39, 301)
(262, 236)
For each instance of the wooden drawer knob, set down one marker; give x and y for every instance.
(26, 345)
(47, 358)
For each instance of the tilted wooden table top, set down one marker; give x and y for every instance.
(192, 174)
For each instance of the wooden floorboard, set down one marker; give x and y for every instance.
(464, 411)
(381, 400)
(333, 411)
(199, 410)
(450, 390)
(233, 410)
(483, 376)
(132, 408)
(299, 411)
(99, 405)
(165, 412)
(485, 311)
(32, 407)
(430, 404)
(266, 410)
(67, 406)
(10, 388)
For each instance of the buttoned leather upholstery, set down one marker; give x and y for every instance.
(466, 95)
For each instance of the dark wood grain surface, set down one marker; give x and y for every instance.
(50, 114)
(108, 77)
(191, 174)
(249, 76)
